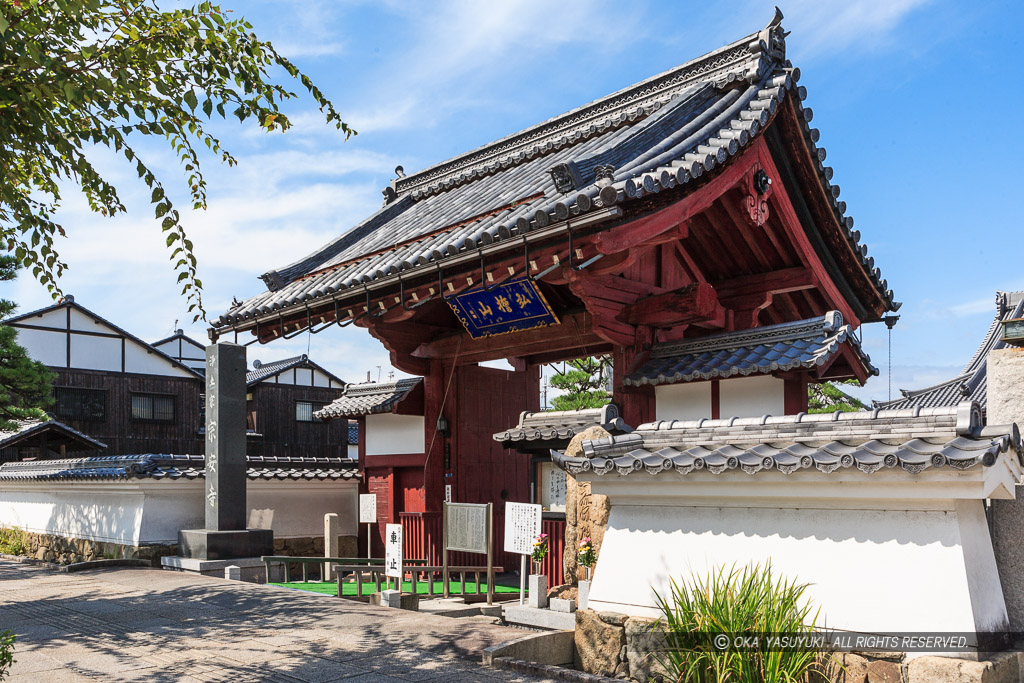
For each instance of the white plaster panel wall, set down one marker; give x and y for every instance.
(297, 509)
(320, 379)
(49, 348)
(304, 376)
(108, 513)
(154, 511)
(353, 451)
(752, 396)
(879, 571)
(982, 573)
(171, 506)
(686, 401)
(285, 378)
(80, 321)
(57, 319)
(394, 434)
(139, 359)
(95, 353)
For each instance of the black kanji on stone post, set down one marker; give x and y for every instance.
(225, 535)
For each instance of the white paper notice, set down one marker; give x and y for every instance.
(522, 526)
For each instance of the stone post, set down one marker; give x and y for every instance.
(225, 437)
(331, 527)
(1005, 369)
(225, 536)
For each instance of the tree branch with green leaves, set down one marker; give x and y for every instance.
(75, 74)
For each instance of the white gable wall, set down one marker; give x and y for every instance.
(101, 349)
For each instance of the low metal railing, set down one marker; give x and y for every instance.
(417, 574)
(288, 560)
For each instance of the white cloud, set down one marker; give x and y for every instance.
(825, 27)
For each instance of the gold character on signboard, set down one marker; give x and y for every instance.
(485, 310)
(522, 300)
(503, 304)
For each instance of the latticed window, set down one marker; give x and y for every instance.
(74, 403)
(152, 407)
(304, 410)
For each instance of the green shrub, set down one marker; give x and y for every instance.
(6, 653)
(13, 541)
(734, 602)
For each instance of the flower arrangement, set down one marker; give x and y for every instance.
(540, 548)
(587, 557)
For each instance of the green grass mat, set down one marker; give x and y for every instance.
(349, 589)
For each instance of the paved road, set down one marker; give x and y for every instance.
(153, 625)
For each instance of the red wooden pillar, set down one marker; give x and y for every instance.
(435, 385)
(635, 403)
(795, 393)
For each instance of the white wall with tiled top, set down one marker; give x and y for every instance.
(738, 397)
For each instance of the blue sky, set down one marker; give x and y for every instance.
(917, 102)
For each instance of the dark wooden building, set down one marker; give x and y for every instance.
(140, 398)
(282, 399)
(691, 204)
(111, 385)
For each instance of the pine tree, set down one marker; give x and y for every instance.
(25, 384)
(827, 397)
(584, 384)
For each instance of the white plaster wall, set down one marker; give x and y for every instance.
(285, 378)
(983, 583)
(80, 321)
(871, 570)
(752, 396)
(49, 348)
(57, 319)
(295, 510)
(95, 353)
(320, 379)
(686, 401)
(394, 434)
(154, 511)
(353, 451)
(139, 359)
(110, 513)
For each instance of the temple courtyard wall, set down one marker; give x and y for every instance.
(67, 522)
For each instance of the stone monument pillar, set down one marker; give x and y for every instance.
(225, 536)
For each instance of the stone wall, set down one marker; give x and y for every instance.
(619, 646)
(62, 550)
(586, 514)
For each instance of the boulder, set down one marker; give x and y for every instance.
(598, 644)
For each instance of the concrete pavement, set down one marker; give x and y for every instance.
(147, 624)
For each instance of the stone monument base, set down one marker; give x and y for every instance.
(251, 569)
(203, 544)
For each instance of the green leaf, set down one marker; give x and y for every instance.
(158, 194)
(191, 100)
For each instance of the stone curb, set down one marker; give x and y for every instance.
(76, 566)
(549, 671)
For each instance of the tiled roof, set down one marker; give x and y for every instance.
(29, 428)
(913, 440)
(119, 467)
(972, 383)
(368, 398)
(555, 425)
(262, 371)
(658, 134)
(805, 344)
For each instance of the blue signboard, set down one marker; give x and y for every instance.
(510, 307)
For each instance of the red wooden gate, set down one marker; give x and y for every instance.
(421, 538)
